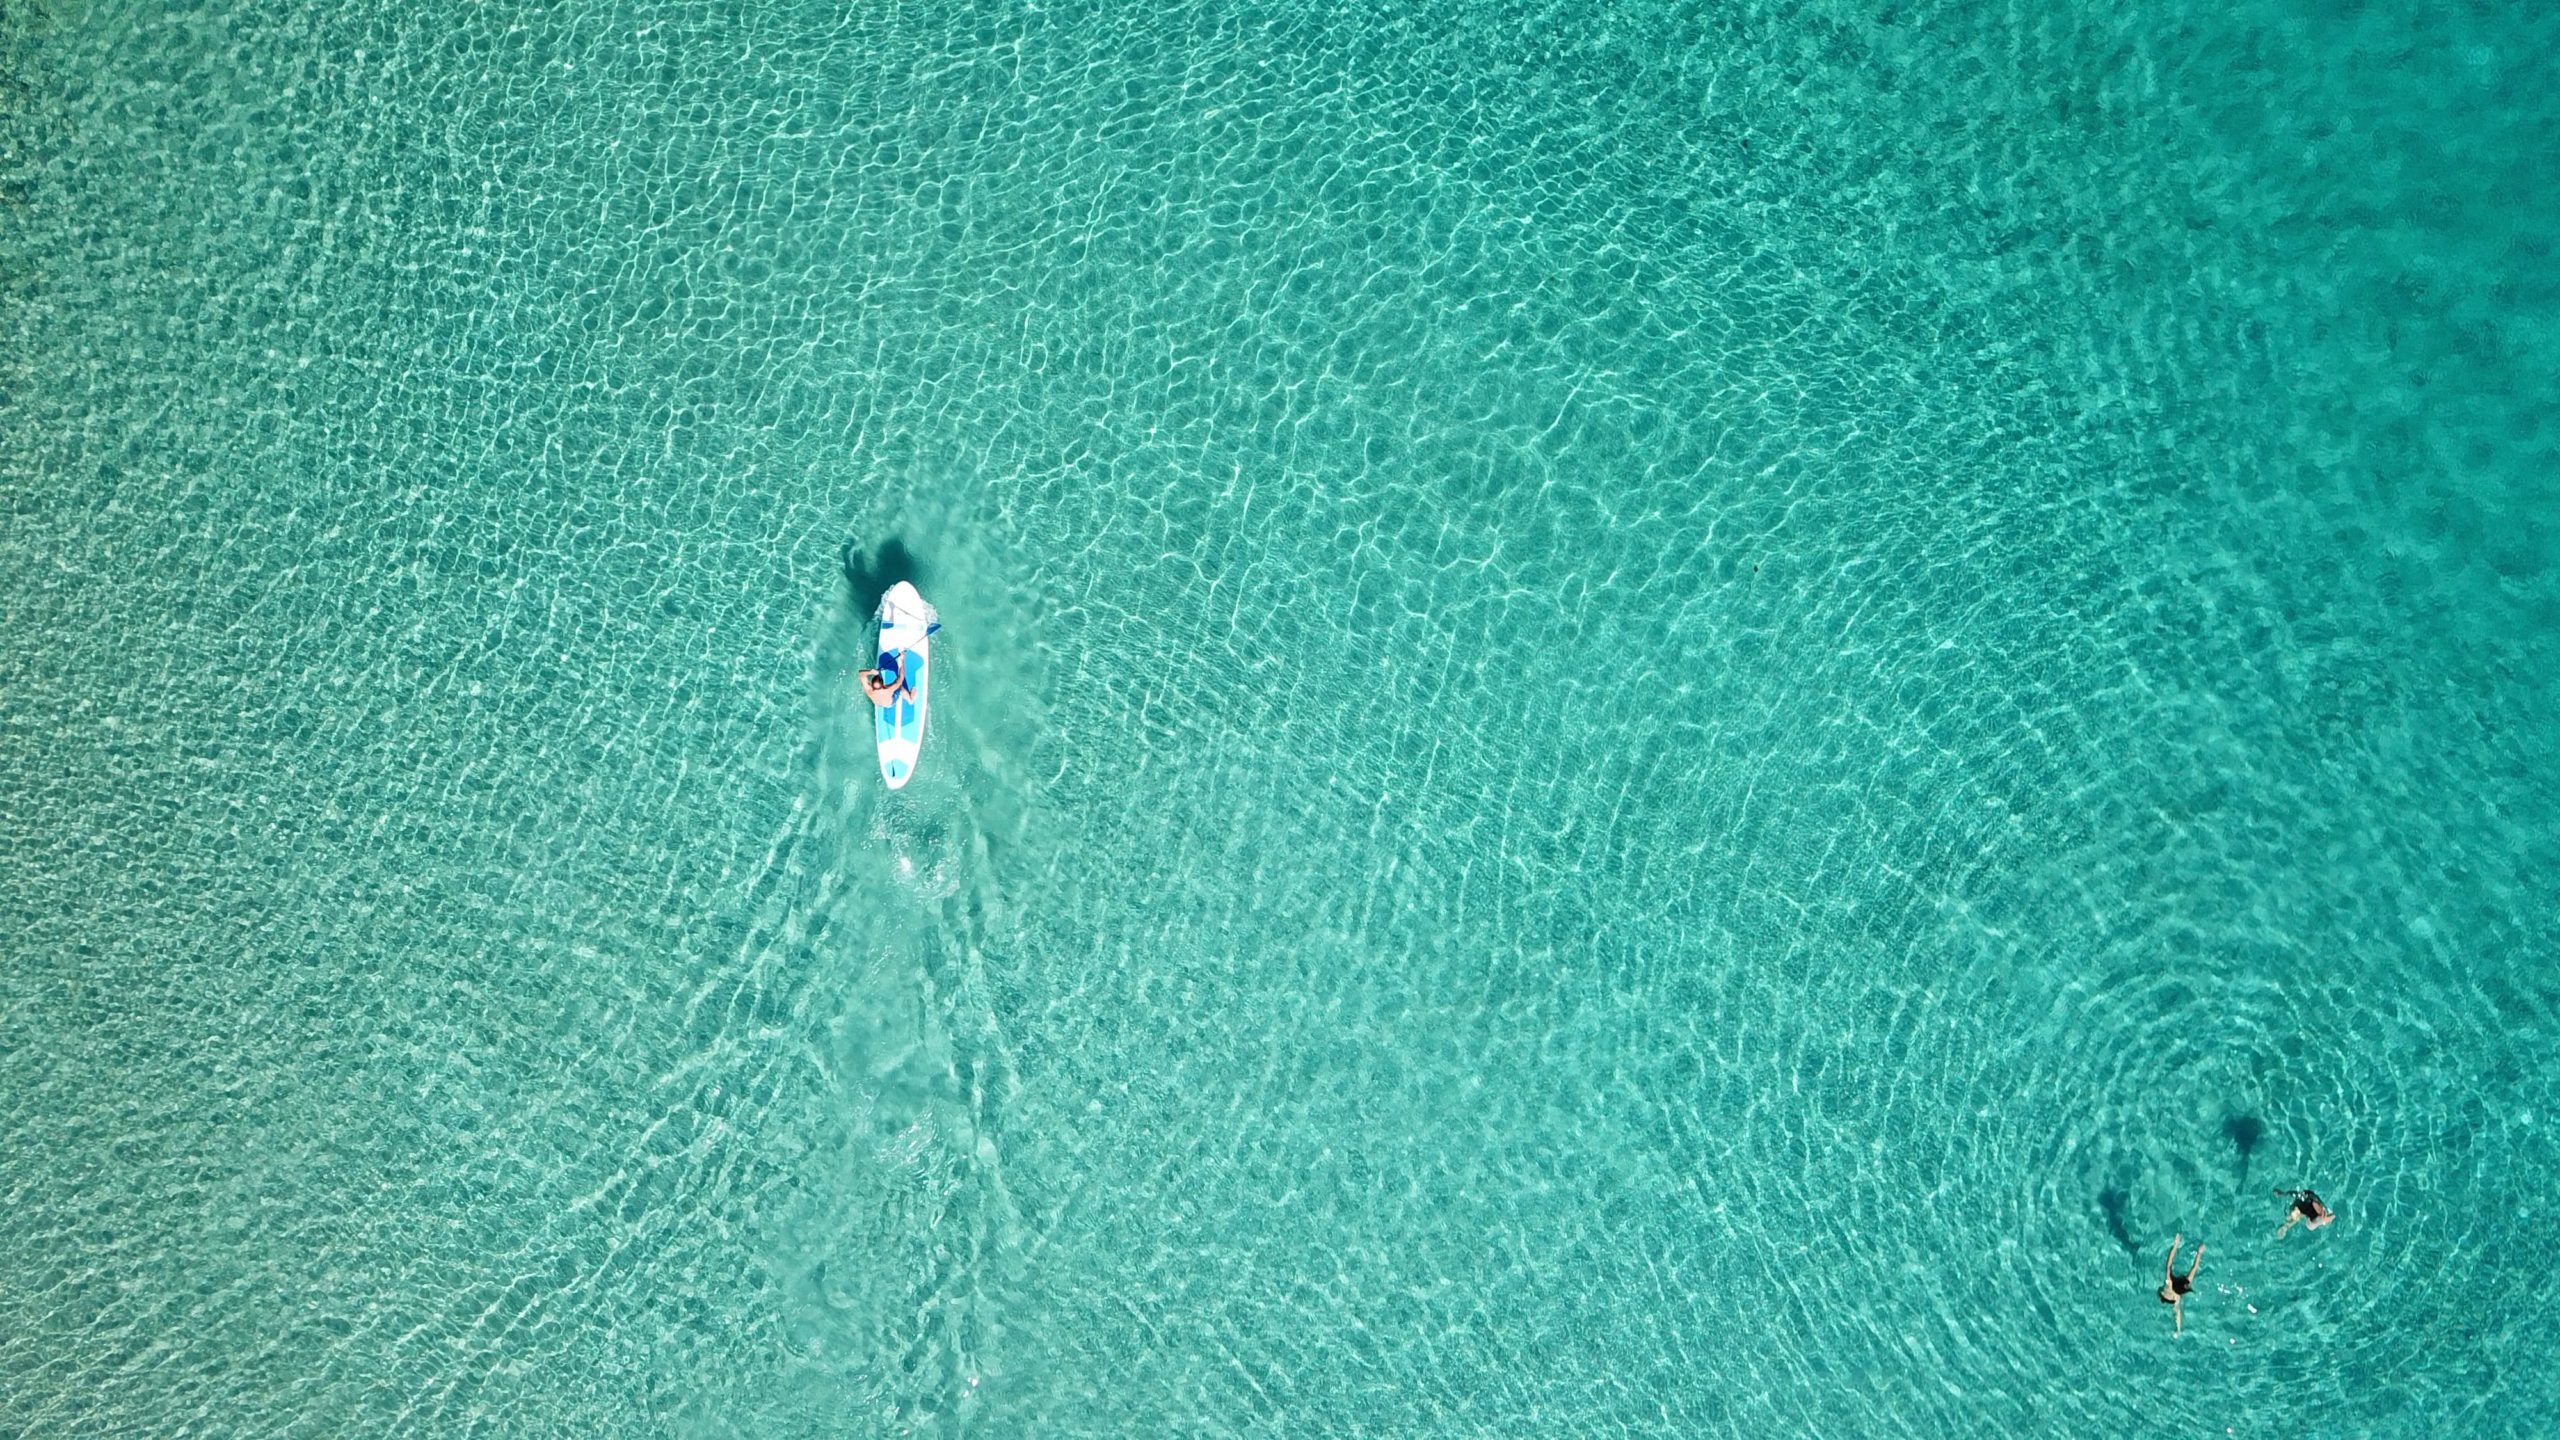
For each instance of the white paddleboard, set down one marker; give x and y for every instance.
(906, 628)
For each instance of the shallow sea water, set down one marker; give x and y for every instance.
(1653, 721)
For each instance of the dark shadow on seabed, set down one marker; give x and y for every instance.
(871, 578)
(2244, 1132)
(2115, 1204)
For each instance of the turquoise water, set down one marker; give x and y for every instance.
(1665, 723)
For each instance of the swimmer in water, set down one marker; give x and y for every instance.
(2307, 1212)
(2174, 1286)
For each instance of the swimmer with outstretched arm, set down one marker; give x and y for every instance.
(2307, 1211)
(2174, 1286)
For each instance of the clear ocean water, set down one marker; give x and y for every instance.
(1653, 721)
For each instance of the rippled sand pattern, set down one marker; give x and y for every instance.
(1651, 723)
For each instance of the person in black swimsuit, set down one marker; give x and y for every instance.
(2174, 1286)
(2307, 1212)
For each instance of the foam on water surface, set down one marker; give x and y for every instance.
(1647, 723)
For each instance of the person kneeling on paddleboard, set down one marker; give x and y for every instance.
(887, 685)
